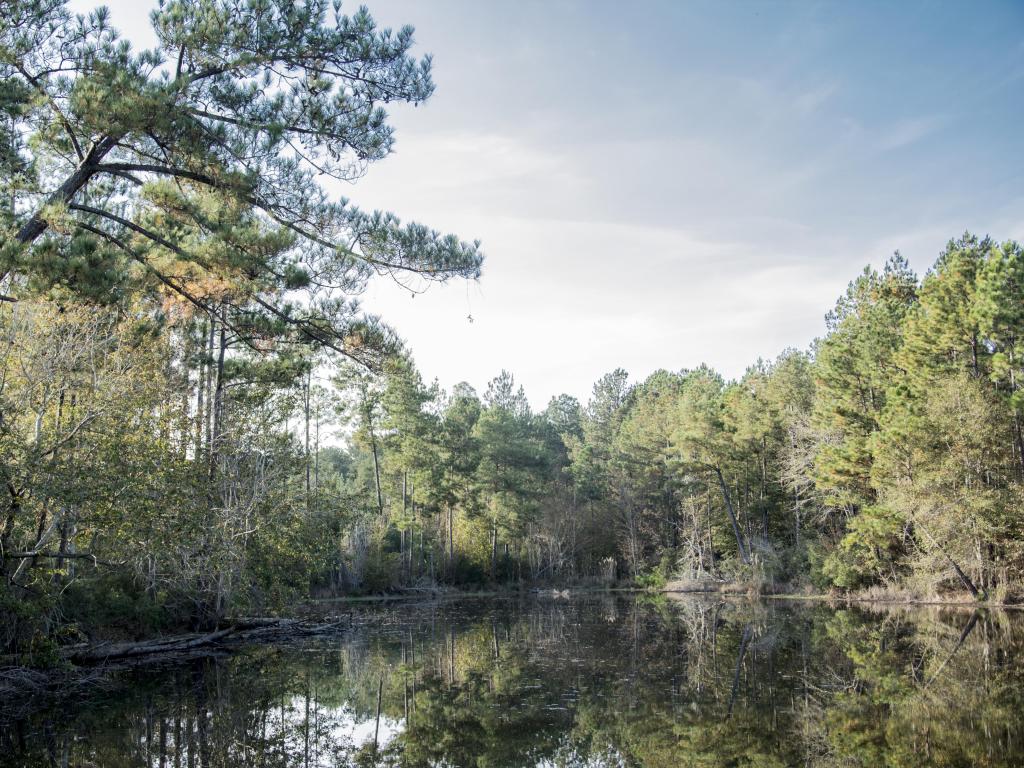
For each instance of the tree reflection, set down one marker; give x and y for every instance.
(583, 682)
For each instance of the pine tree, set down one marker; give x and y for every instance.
(999, 311)
(854, 368)
(195, 168)
(512, 463)
(703, 444)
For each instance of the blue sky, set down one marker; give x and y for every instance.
(660, 184)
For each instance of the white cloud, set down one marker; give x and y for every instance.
(564, 301)
(908, 131)
(811, 100)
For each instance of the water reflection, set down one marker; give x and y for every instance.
(582, 682)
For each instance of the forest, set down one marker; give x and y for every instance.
(198, 420)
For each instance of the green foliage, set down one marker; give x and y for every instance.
(24, 629)
(854, 368)
(178, 288)
(653, 581)
(889, 457)
(203, 159)
(870, 552)
(115, 603)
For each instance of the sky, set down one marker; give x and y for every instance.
(665, 184)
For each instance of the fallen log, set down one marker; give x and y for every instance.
(243, 630)
(114, 651)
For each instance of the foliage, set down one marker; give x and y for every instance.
(182, 341)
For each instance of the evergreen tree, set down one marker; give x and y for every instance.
(999, 311)
(702, 442)
(854, 368)
(512, 460)
(194, 168)
(456, 463)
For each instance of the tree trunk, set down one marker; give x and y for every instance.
(451, 541)
(1019, 435)
(306, 393)
(316, 452)
(964, 579)
(494, 539)
(36, 225)
(732, 517)
(376, 729)
(218, 403)
(206, 403)
(376, 469)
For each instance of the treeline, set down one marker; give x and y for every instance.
(160, 472)
(889, 454)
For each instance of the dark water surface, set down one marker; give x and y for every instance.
(589, 681)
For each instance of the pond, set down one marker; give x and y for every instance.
(597, 680)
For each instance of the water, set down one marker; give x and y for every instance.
(590, 681)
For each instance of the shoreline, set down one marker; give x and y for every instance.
(307, 619)
(88, 663)
(737, 590)
(728, 589)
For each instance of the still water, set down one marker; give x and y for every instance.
(590, 681)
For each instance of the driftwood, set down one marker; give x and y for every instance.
(243, 630)
(89, 666)
(113, 651)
